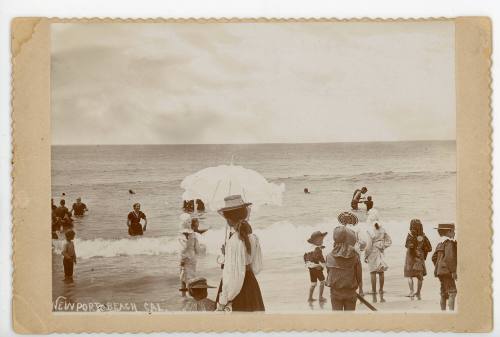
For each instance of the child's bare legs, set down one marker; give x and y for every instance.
(321, 288)
(183, 286)
(419, 286)
(451, 302)
(410, 285)
(373, 278)
(443, 302)
(311, 292)
(381, 280)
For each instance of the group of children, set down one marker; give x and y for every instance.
(343, 263)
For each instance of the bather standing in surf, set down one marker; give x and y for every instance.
(134, 221)
(357, 197)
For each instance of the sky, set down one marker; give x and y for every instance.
(180, 83)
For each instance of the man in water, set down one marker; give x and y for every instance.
(79, 208)
(63, 215)
(357, 197)
(134, 221)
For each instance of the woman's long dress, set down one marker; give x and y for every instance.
(378, 241)
(239, 285)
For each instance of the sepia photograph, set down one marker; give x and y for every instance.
(256, 167)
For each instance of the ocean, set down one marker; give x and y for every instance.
(405, 179)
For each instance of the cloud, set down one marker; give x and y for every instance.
(236, 83)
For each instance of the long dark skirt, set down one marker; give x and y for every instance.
(250, 297)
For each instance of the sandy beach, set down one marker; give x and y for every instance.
(284, 285)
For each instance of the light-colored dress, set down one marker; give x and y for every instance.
(189, 249)
(236, 262)
(360, 244)
(378, 241)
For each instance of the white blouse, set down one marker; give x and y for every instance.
(235, 261)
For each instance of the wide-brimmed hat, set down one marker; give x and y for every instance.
(197, 283)
(445, 226)
(347, 218)
(317, 238)
(233, 202)
(344, 240)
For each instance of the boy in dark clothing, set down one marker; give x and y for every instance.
(63, 215)
(315, 261)
(69, 256)
(79, 208)
(445, 262)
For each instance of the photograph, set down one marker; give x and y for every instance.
(272, 167)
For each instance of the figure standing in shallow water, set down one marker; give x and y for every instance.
(134, 221)
(189, 249)
(378, 241)
(315, 263)
(79, 208)
(357, 197)
(417, 247)
(445, 262)
(69, 256)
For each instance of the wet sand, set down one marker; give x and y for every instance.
(284, 285)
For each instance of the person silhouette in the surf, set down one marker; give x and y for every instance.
(357, 197)
(134, 221)
(369, 203)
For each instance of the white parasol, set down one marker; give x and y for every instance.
(213, 184)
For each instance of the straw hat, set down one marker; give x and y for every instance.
(317, 238)
(196, 283)
(346, 218)
(233, 202)
(445, 226)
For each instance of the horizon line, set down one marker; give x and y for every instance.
(269, 143)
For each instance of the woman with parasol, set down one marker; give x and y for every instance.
(239, 290)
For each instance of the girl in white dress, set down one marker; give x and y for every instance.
(378, 241)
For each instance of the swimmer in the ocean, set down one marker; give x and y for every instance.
(306, 190)
(357, 197)
(369, 203)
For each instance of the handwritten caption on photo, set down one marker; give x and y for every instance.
(64, 304)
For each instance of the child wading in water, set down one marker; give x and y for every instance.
(445, 262)
(189, 249)
(378, 241)
(315, 262)
(418, 246)
(197, 289)
(69, 256)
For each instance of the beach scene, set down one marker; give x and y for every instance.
(416, 178)
(253, 167)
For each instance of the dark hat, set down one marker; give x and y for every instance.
(347, 218)
(70, 234)
(317, 238)
(233, 202)
(445, 226)
(196, 283)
